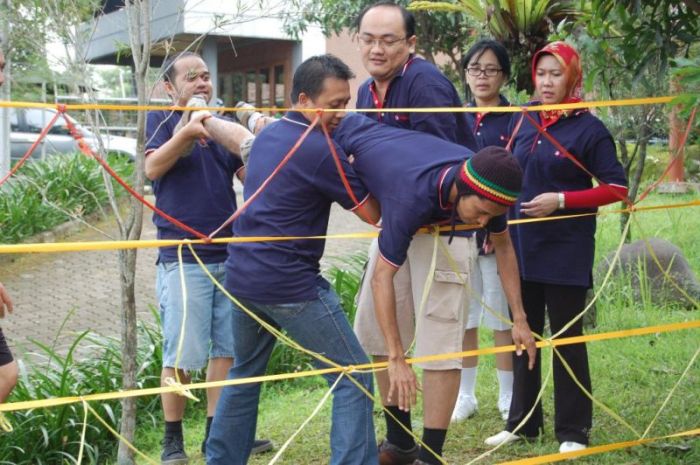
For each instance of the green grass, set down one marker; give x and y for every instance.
(631, 376)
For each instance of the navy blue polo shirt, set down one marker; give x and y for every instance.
(412, 188)
(296, 202)
(561, 251)
(419, 84)
(197, 190)
(490, 128)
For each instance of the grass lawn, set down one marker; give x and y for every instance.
(631, 376)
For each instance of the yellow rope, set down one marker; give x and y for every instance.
(511, 109)
(144, 244)
(596, 449)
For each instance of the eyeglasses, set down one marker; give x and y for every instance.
(385, 44)
(475, 71)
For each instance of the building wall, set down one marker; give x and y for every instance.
(345, 48)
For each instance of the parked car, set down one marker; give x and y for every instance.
(27, 123)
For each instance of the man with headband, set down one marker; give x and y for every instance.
(414, 190)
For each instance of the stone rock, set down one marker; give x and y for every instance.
(639, 264)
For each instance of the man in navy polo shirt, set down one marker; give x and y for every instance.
(280, 282)
(415, 190)
(399, 79)
(192, 180)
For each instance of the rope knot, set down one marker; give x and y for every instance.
(181, 391)
(61, 107)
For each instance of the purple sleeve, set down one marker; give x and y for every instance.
(328, 181)
(158, 129)
(429, 95)
(400, 222)
(601, 158)
(498, 224)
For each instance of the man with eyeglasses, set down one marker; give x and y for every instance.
(399, 79)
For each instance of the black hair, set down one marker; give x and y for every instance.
(496, 47)
(477, 50)
(169, 64)
(310, 75)
(409, 21)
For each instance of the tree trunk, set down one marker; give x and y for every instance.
(677, 172)
(624, 159)
(138, 14)
(127, 272)
(634, 176)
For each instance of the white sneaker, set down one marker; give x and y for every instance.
(504, 437)
(571, 446)
(504, 405)
(465, 408)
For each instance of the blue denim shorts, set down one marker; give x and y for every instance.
(209, 319)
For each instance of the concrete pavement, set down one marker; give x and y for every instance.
(81, 290)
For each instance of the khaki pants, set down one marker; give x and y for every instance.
(439, 328)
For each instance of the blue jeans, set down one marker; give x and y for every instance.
(319, 325)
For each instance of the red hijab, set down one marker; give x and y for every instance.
(570, 61)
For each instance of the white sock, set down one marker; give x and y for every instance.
(505, 383)
(467, 385)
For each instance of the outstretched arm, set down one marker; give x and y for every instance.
(402, 379)
(227, 133)
(510, 280)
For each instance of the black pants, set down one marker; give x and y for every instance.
(573, 409)
(5, 354)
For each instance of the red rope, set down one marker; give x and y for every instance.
(361, 208)
(85, 148)
(262, 187)
(515, 130)
(24, 158)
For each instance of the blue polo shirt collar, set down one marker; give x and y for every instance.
(296, 117)
(502, 102)
(445, 181)
(399, 74)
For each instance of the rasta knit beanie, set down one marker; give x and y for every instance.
(493, 174)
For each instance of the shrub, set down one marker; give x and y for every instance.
(52, 435)
(44, 194)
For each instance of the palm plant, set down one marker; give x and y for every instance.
(522, 26)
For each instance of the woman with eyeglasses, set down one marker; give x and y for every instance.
(556, 257)
(487, 67)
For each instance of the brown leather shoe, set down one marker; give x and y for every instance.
(389, 454)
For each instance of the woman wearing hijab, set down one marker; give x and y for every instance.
(487, 67)
(556, 257)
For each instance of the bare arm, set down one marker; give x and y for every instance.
(164, 157)
(368, 211)
(510, 280)
(5, 302)
(227, 133)
(401, 375)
